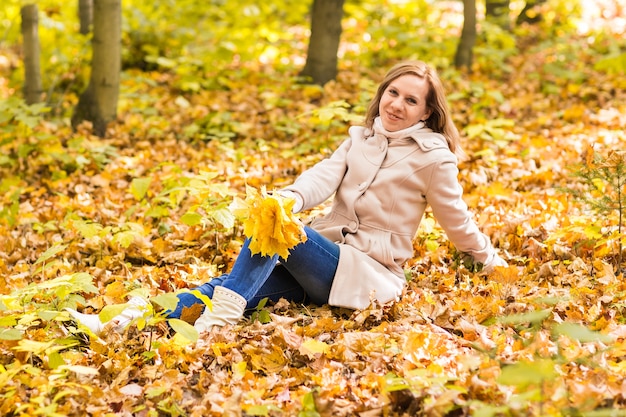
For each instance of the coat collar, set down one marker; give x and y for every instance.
(398, 134)
(420, 133)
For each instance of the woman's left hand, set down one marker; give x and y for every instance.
(493, 262)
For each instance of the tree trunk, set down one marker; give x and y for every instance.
(98, 103)
(85, 15)
(32, 69)
(497, 11)
(464, 50)
(529, 13)
(321, 59)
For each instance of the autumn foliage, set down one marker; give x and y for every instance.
(269, 222)
(204, 118)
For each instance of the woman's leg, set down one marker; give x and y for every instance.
(309, 270)
(314, 264)
(280, 284)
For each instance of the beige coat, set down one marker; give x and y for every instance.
(382, 187)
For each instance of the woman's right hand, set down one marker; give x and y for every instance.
(290, 194)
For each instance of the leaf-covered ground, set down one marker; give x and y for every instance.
(87, 220)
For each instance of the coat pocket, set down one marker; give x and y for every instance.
(378, 246)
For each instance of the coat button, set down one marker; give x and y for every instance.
(352, 225)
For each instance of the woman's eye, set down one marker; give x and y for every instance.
(412, 101)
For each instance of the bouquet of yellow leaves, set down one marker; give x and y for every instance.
(269, 222)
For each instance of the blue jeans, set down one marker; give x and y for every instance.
(307, 274)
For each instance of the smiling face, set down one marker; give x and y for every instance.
(403, 103)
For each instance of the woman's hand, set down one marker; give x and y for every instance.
(290, 194)
(492, 263)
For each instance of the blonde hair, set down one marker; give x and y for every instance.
(440, 119)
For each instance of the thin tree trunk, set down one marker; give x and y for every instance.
(98, 103)
(32, 69)
(464, 50)
(85, 15)
(321, 59)
(497, 11)
(530, 14)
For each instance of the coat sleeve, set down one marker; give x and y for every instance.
(445, 196)
(319, 182)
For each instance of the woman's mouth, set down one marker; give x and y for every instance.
(392, 116)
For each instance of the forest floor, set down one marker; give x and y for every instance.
(86, 220)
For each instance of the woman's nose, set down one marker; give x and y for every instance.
(396, 103)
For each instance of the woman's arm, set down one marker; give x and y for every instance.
(318, 183)
(445, 196)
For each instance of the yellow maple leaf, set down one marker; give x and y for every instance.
(269, 222)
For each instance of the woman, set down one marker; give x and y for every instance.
(382, 176)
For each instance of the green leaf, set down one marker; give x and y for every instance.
(155, 391)
(264, 317)
(552, 301)
(10, 334)
(308, 406)
(486, 410)
(473, 131)
(615, 64)
(532, 317)
(63, 286)
(224, 217)
(124, 239)
(47, 315)
(191, 219)
(157, 212)
(581, 333)
(523, 374)
(83, 282)
(394, 383)
(184, 329)
(168, 301)
(262, 303)
(50, 253)
(109, 312)
(87, 229)
(165, 62)
(257, 410)
(139, 187)
(55, 360)
(33, 346)
(9, 321)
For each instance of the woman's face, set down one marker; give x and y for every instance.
(403, 102)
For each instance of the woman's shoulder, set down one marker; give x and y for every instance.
(430, 141)
(358, 132)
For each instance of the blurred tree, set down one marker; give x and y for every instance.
(530, 13)
(464, 54)
(497, 12)
(85, 15)
(31, 49)
(321, 59)
(98, 103)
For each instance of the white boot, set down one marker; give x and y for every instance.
(136, 308)
(228, 308)
(90, 321)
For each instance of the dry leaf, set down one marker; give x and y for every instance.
(269, 222)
